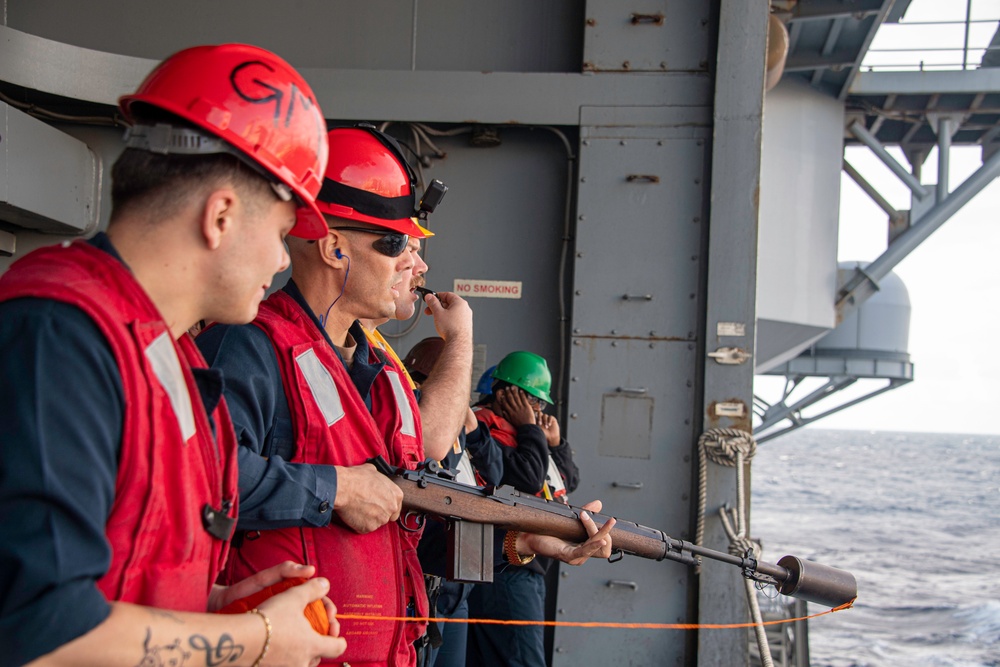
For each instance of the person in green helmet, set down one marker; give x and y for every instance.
(536, 460)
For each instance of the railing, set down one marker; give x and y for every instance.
(950, 37)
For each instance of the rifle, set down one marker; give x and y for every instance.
(472, 512)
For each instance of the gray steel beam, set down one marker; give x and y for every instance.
(777, 413)
(864, 283)
(870, 190)
(804, 62)
(865, 137)
(877, 18)
(805, 421)
(831, 41)
(925, 83)
(41, 64)
(944, 156)
(495, 98)
(448, 97)
(731, 297)
(826, 9)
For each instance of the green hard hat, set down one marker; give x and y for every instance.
(528, 371)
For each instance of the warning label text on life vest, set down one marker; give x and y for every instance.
(496, 289)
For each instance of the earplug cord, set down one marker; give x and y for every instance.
(323, 319)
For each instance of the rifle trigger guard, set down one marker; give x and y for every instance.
(417, 518)
(616, 555)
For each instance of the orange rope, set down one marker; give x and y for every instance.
(569, 624)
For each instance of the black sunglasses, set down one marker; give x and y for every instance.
(391, 244)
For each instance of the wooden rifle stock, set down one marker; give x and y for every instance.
(426, 491)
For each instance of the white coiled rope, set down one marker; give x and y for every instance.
(732, 447)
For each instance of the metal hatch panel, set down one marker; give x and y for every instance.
(652, 36)
(639, 224)
(638, 470)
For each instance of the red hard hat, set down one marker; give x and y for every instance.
(369, 180)
(257, 103)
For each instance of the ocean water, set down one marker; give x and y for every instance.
(914, 516)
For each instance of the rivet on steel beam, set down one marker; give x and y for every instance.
(614, 332)
(626, 65)
(614, 343)
(578, 293)
(576, 330)
(579, 254)
(591, 22)
(582, 217)
(578, 342)
(574, 379)
(574, 416)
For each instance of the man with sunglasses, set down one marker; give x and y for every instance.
(312, 401)
(444, 393)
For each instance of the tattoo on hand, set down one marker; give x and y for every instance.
(172, 655)
(225, 651)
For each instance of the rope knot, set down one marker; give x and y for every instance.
(724, 445)
(738, 546)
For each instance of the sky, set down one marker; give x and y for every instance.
(953, 278)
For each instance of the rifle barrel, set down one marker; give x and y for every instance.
(509, 509)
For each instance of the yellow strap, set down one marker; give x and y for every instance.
(375, 338)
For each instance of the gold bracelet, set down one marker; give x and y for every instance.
(510, 550)
(267, 638)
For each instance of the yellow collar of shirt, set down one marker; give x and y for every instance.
(375, 338)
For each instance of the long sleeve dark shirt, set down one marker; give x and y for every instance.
(275, 493)
(61, 414)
